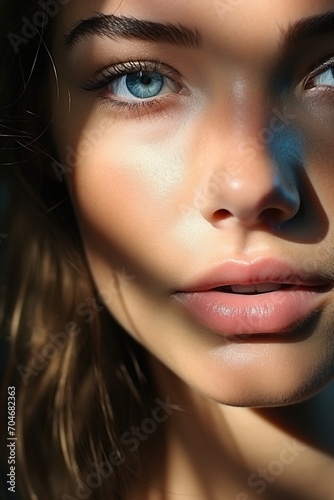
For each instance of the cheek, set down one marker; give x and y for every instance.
(126, 190)
(321, 173)
(124, 179)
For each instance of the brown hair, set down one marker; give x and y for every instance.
(80, 380)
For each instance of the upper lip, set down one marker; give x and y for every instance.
(237, 272)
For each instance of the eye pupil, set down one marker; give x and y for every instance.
(144, 84)
(146, 79)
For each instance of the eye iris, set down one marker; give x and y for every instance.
(326, 78)
(144, 84)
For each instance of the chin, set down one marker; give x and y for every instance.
(278, 381)
(269, 400)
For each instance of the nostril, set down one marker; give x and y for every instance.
(277, 215)
(272, 216)
(220, 215)
(269, 199)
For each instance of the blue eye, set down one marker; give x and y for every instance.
(144, 85)
(138, 86)
(326, 78)
(141, 85)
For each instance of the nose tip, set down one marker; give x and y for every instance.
(264, 194)
(251, 209)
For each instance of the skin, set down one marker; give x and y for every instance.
(154, 217)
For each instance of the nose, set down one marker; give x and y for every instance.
(255, 184)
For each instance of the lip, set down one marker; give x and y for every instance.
(243, 314)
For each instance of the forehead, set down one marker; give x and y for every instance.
(236, 22)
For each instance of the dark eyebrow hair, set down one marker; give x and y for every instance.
(307, 28)
(115, 27)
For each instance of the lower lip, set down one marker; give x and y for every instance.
(268, 313)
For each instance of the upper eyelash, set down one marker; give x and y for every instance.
(322, 65)
(107, 75)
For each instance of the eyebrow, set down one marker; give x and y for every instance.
(307, 28)
(124, 27)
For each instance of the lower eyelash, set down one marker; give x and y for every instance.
(140, 108)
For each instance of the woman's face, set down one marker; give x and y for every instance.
(199, 154)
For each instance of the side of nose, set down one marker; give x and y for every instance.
(252, 183)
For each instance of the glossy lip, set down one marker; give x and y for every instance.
(244, 314)
(233, 272)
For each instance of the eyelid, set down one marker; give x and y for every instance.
(106, 75)
(318, 68)
(135, 108)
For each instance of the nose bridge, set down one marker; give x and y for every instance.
(250, 172)
(247, 108)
